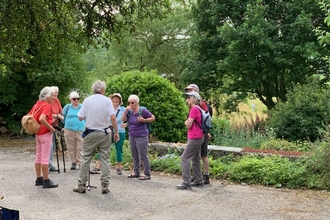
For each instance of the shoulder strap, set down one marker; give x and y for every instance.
(67, 109)
(140, 111)
(117, 112)
(35, 111)
(200, 109)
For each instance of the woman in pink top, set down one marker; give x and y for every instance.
(194, 143)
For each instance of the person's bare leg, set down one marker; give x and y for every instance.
(44, 168)
(38, 169)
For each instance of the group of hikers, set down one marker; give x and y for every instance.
(102, 120)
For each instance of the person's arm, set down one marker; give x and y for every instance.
(189, 122)
(43, 120)
(124, 116)
(147, 119)
(115, 127)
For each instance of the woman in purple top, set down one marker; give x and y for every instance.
(137, 118)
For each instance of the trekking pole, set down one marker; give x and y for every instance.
(56, 149)
(63, 145)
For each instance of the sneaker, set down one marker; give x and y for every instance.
(80, 188)
(199, 184)
(105, 189)
(39, 181)
(183, 186)
(52, 168)
(95, 171)
(49, 184)
(73, 166)
(119, 171)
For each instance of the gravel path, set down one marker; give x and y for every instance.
(136, 199)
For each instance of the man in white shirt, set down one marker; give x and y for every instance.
(96, 110)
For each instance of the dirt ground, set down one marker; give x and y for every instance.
(154, 199)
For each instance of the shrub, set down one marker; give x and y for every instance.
(170, 163)
(272, 170)
(160, 97)
(279, 145)
(306, 110)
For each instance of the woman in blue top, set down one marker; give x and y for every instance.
(117, 101)
(73, 129)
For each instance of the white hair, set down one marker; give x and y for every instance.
(74, 94)
(98, 85)
(46, 92)
(134, 97)
(55, 88)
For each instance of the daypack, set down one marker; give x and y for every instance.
(140, 114)
(209, 107)
(206, 121)
(30, 124)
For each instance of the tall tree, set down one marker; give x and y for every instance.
(40, 41)
(255, 46)
(156, 44)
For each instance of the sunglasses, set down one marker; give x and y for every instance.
(74, 99)
(131, 102)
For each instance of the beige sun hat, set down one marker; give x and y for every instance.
(117, 95)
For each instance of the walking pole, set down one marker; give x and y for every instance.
(63, 144)
(89, 182)
(56, 149)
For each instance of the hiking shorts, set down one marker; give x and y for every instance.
(204, 146)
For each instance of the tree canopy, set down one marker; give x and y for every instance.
(255, 46)
(41, 42)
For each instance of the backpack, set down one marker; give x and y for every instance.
(206, 121)
(29, 123)
(140, 114)
(209, 107)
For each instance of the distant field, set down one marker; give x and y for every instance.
(245, 110)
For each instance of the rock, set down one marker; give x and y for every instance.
(4, 130)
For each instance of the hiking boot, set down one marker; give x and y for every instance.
(119, 171)
(192, 179)
(39, 181)
(49, 184)
(73, 166)
(80, 188)
(183, 186)
(206, 178)
(199, 184)
(105, 189)
(95, 171)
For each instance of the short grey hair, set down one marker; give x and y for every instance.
(134, 97)
(55, 88)
(98, 85)
(45, 93)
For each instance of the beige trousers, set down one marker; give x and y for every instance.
(74, 143)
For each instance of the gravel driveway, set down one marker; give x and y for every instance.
(136, 199)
